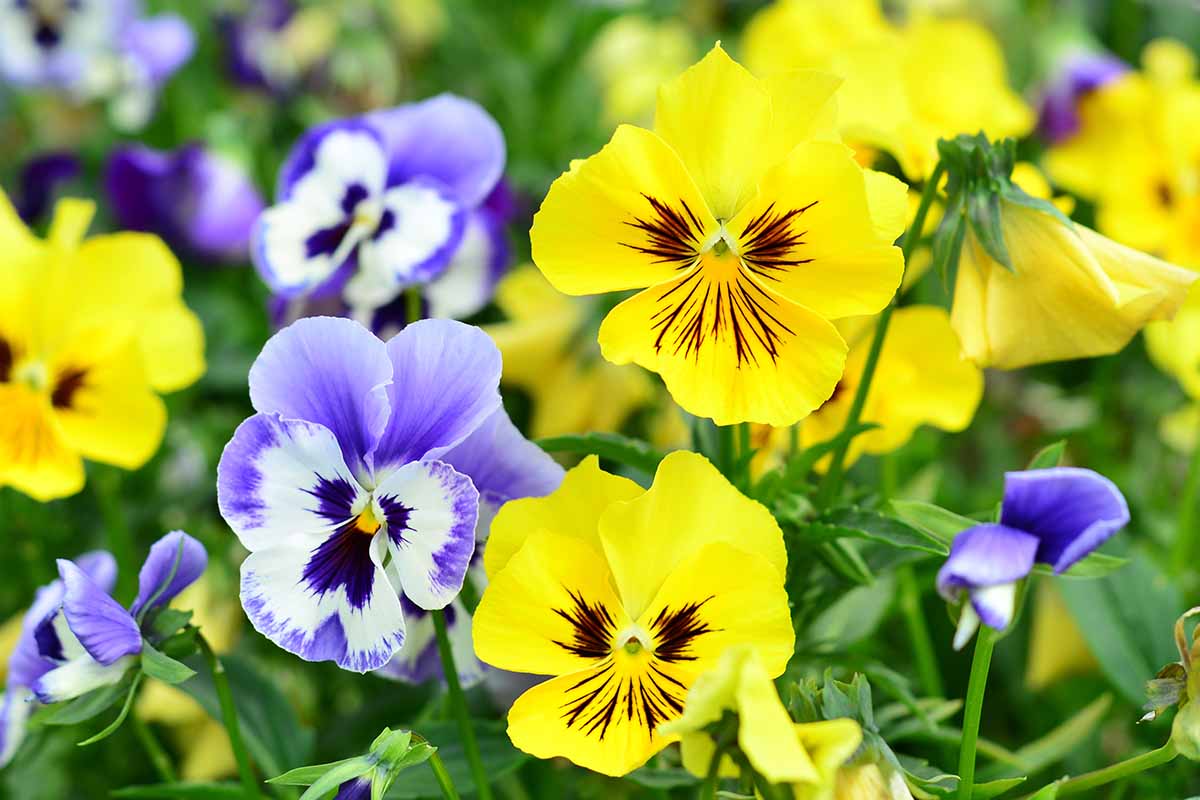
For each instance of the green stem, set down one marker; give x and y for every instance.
(443, 777)
(725, 448)
(832, 484)
(412, 306)
(1181, 556)
(708, 789)
(154, 749)
(985, 641)
(229, 717)
(459, 702)
(1115, 772)
(918, 633)
(107, 486)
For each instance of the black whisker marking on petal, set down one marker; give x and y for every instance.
(592, 625)
(675, 629)
(7, 359)
(672, 236)
(69, 382)
(342, 561)
(769, 240)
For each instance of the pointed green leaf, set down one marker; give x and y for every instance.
(1049, 456)
(111, 728)
(884, 529)
(163, 667)
(307, 776)
(940, 523)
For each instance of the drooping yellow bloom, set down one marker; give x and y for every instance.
(868, 782)
(1057, 648)
(808, 754)
(1137, 155)
(906, 87)
(1072, 293)
(549, 354)
(630, 57)
(625, 596)
(90, 332)
(751, 228)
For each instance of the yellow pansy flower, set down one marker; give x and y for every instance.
(905, 87)
(630, 57)
(1057, 648)
(868, 782)
(1071, 293)
(548, 354)
(624, 596)
(1174, 347)
(90, 332)
(808, 754)
(751, 228)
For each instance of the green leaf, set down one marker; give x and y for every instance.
(163, 667)
(843, 560)
(167, 622)
(274, 735)
(612, 446)
(499, 759)
(663, 778)
(1049, 456)
(986, 791)
(798, 468)
(854, 616)
(1093, 565)
(86, 706)
(183, 791)
(307, 776)
(983, 212)
(111, 728)
(940, 523)
(1046, 792)
(876, 527)
(1060, 742)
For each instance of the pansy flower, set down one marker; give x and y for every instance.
(76, 637)
(1077, 75)
(337, 485)
(1050, 516)
(201, 203)
(503, 465)
(624, 596)
(744, 253)
(40, 180)
(369, 206)
(91, 331)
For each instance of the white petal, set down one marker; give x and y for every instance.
(80, 676)
(968, 623)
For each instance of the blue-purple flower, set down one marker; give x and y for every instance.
(1079, 74)
(76, 637)
(201, 203)
(39, 182)
(93, 48)
(255, 48)
(370, 206)
(1051, 516)
(344, 486)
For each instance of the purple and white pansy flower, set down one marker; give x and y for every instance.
(1053, 516)
(503, 465)
(75, 637)
(339, 485)
(373, 205)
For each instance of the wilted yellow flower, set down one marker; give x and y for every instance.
(584, 586)
(905, 87)
(90, 332)
(780, 750)
(748, 251)
(1071, 293)
(549, 353)
(631, 57)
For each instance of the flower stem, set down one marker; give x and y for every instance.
(154, 749)
(412, 305)
(832, 483)
(443, 777)
(918, 632)
(1115, 772)
(1181, 556)
(708, 789)
(985, 641)
(459, 702)
(229, 717)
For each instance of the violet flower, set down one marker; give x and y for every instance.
(199, 202)
(251, 38)
(1049, 516)
(344, 487)
(370, 206)
(40, 177)
(1080, 74)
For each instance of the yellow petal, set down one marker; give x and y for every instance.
(696, 751)
(726, 347)
(573, 510)
(1174, 346)
(694, 502)
(601, 226)
(803, 107)
(835, 263)
(524, 294)
(71, 220)
(523, 622)
(766, 732)
(19, 245)
(207, 753)
(1057, 648)
(710, 115)
(34, 455)
(830, 743)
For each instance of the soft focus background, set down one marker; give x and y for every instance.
(558, 76)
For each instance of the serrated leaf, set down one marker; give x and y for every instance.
(884, 529)
(86, 706)
(111, 728)
(613, 446)
(1049, 456)
(164, 668)
(184, 790)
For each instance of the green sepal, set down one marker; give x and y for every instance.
(166, 622)
(111, 728)
(948, 241)
(983, 214)
(162, 667)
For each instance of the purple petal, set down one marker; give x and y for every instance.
(445, 137)
(445, 383)
(39, 178)
(1082, 73)
(986, 555)
(431, 511)
(192, 559)
(1072, 511)
(330, 371)
(503, 463)
(303, 156)
(244, 35)
(355, 789)
(160, 44)
(105, 629)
